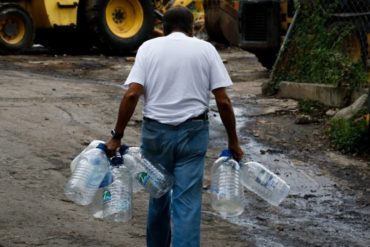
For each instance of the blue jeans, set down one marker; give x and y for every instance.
(181, 150)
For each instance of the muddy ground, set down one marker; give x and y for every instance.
(51, 107)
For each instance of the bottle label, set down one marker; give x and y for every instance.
(266, 180)
(143, 178)
(107, 196)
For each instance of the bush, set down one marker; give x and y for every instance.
(349, 136)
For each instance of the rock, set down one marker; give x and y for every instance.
(350, 111)
(268, 88)
(303, 119)
(330, 112)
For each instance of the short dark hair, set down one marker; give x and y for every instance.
(178, 18)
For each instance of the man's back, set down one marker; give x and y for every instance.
(177, 72)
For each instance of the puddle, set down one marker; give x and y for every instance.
(313, 214)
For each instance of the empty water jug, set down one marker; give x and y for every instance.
(264, 183)
(96, 207)
(154, 178)
(133, 164)
(117, 196)
(87, 176)
(93, 144)
(227, 195)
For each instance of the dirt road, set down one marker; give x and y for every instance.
(51, 107)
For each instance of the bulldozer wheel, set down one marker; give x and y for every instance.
(16, 29)
(120, 26)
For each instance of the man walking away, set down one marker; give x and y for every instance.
(176, 74)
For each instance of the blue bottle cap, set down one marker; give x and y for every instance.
(226, 153)
(116, 161)
(102, 146)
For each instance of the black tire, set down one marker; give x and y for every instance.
(113, 42)
(16, 29)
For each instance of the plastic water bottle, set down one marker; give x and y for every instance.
(96, 207)
(154, 178)
(117, 196)
(92, 145)
(264, 183)
(87, 176)
(134, 166)
(227, 195)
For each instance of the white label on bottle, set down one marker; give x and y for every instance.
(266, 180)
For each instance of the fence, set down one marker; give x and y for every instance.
(328, 42)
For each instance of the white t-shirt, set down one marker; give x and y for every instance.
(177, 73)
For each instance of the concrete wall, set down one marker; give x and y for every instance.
(327, 94)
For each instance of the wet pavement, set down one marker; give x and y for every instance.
(319, 210)
(52, 106)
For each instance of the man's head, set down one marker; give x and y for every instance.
(178, 19)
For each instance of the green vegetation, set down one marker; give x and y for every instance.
(349, 136)
(310, 106)
(317, 51)
(321, 49)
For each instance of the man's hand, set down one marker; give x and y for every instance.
(112, 146)
(236, 151)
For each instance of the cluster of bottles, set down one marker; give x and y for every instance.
(107, 185)
(228, 178)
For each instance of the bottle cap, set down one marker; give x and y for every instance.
(102, 146)
(116, 161)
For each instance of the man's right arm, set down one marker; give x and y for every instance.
(227, 115)
(125, 112)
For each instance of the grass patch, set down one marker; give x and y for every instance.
(310, 106)
(349, 135)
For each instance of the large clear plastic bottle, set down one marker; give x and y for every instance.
(227, 195)
(117, 196)
(87, 176)
(76, 160)
(96, 207)
(264, 183)
(154, 178)
(134, 166)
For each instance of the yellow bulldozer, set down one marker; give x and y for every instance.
(114, 26)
